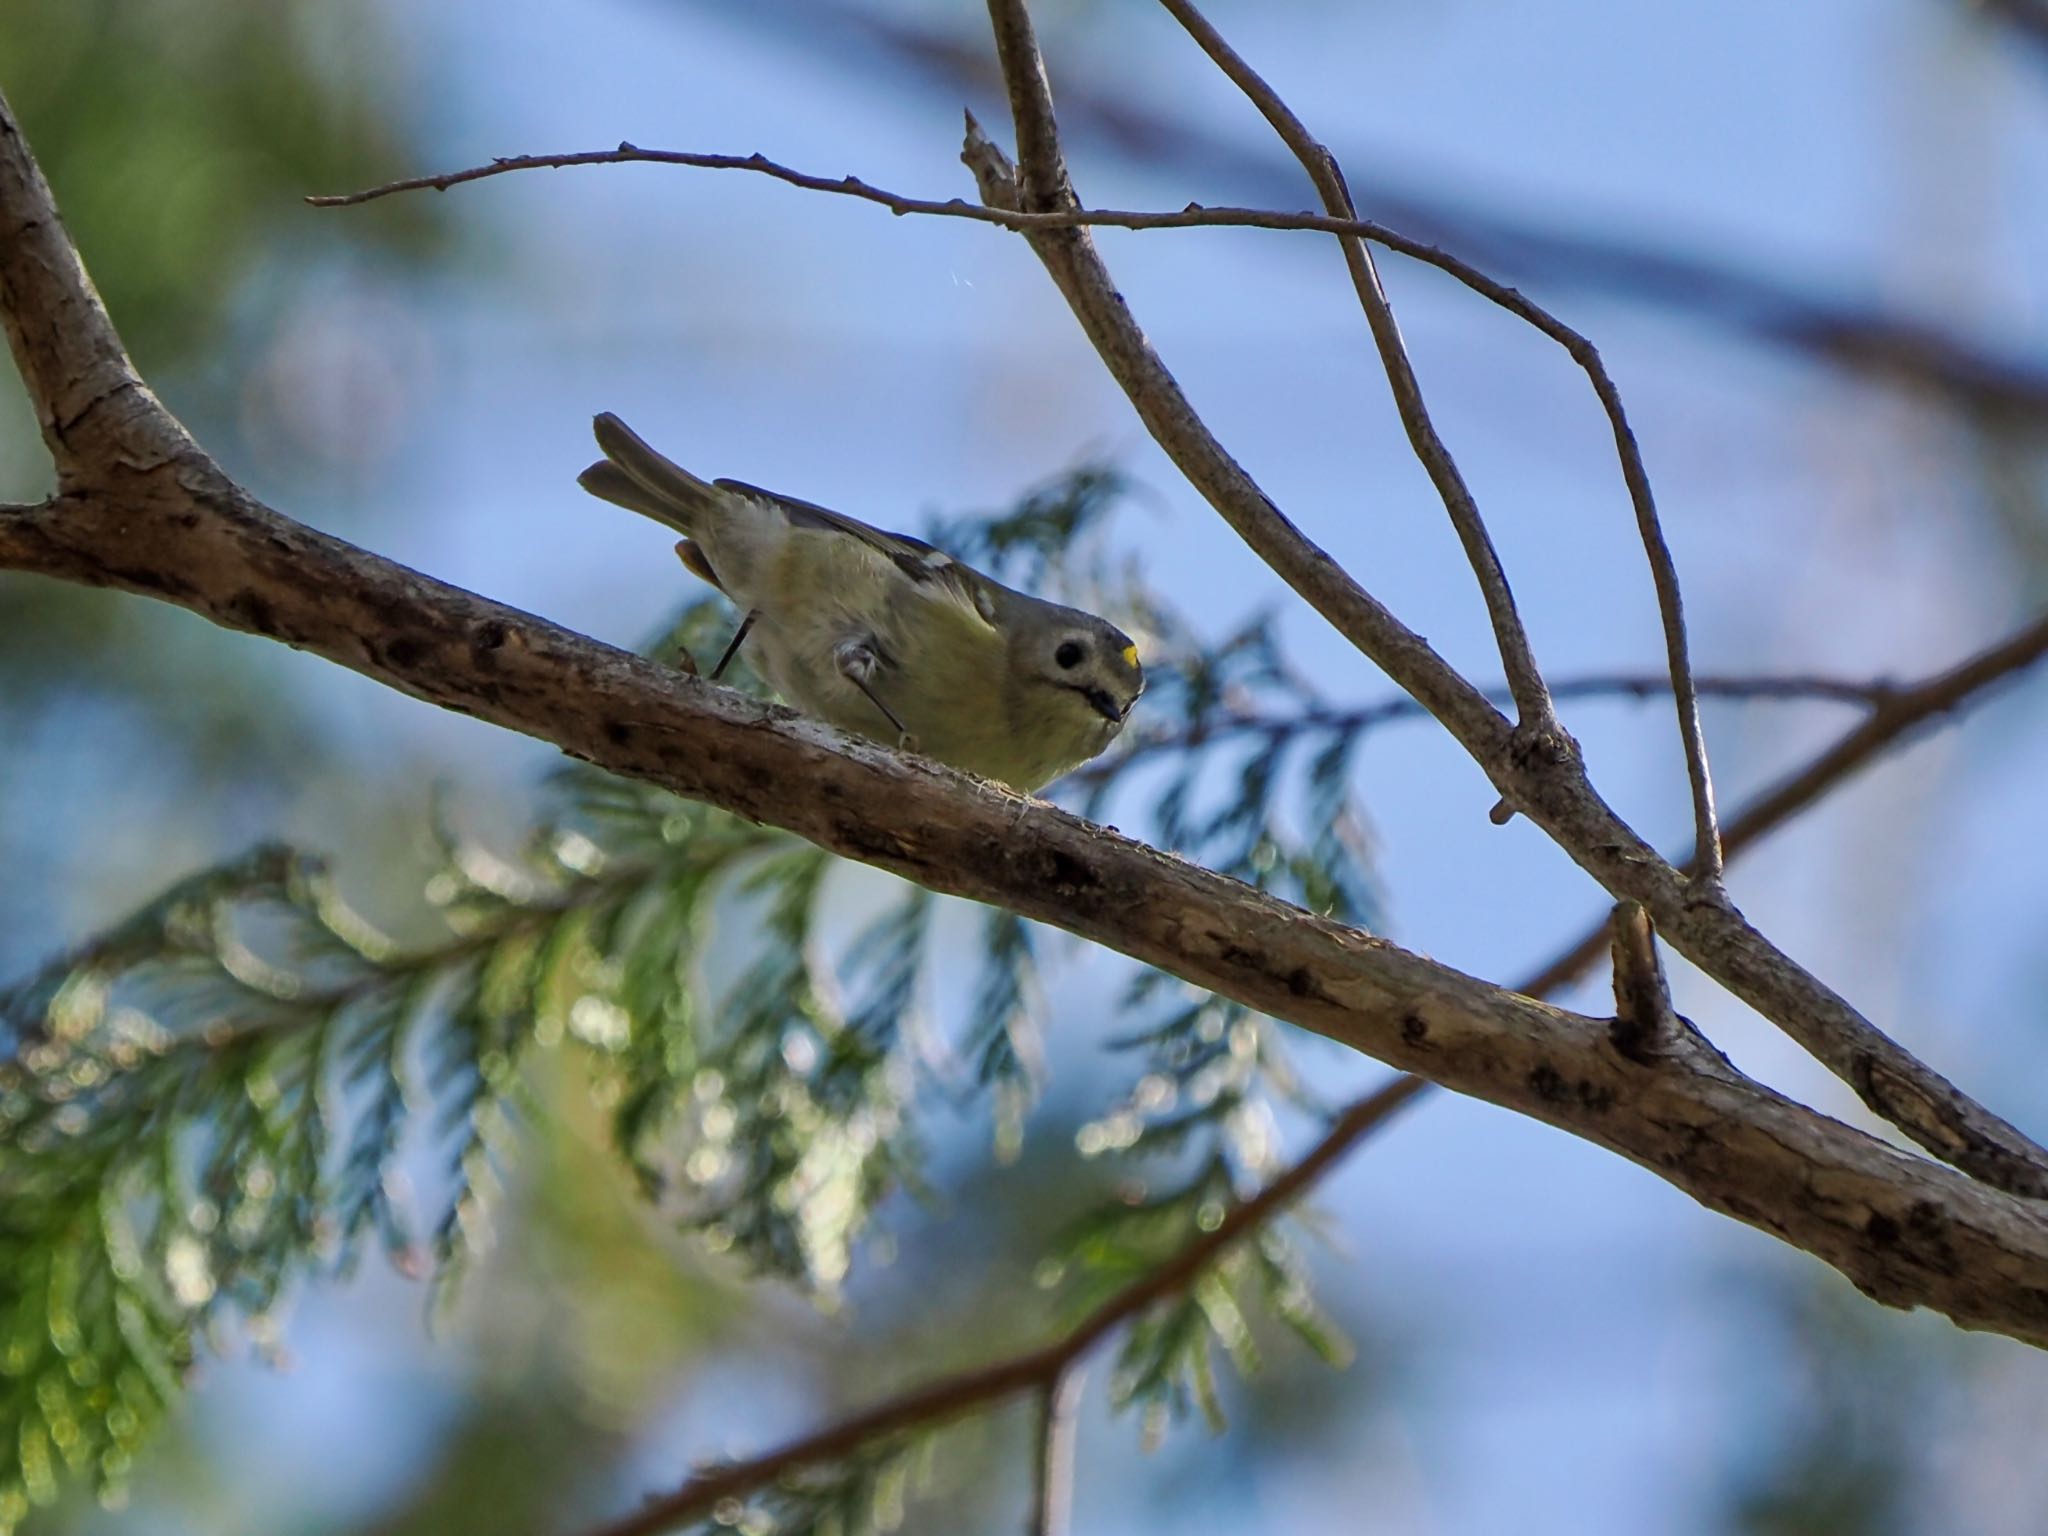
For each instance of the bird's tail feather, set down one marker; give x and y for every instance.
(606, 481)
(633, 475)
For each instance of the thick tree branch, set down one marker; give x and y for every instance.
(1540, 775)
(157, 517)
(184, 535)
(85, 392)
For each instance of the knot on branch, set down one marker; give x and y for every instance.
(1541, 747)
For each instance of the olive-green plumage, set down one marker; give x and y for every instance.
(885, 635)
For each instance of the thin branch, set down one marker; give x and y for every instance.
(1901, 711)
(1541, 774)
(1052, 1482)
(1786, 688)
(1532, 700)
(1518, 661)
(1192, 216)
(950, 1397)
(1877, 343)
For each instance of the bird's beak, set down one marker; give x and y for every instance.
(1106, 706)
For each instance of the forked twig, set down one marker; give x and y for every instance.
(1518, 661)
(1531, 698)
(1551, 787)
(1542, 775)
(1904, 709)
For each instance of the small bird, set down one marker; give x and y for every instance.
(881, 634)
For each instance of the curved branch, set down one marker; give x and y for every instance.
(159, 519)
(1039, 1370)
(1540, 774)
(1531, 697)
(1518, 661)
(86, 394)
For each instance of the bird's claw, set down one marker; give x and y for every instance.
(858, 663)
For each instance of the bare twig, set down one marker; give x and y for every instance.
(1052, 1482)
(1900, 712)
(1039, 1370)
(1532, 700)
(1787, 688)
(1876, 342)
(1518, 662)
(1541, 775)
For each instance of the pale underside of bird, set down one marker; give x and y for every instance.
(884, 635)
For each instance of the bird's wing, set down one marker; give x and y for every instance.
(922, 563)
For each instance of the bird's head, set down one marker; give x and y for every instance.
(1081, 668)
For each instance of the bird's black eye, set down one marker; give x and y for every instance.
(1069, 654)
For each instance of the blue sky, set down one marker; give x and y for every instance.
(1588, 1353)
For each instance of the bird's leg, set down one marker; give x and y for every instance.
(733, 649)
(858, 662)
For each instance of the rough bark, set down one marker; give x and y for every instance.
(143, 509)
